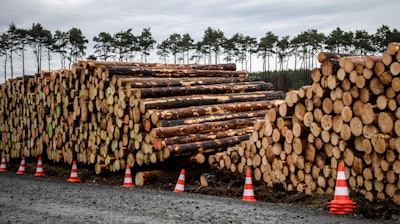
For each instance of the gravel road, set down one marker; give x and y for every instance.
(28, 199)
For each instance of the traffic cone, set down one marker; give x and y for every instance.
(3, 166)
(21, 169)
(73, 178)
(341, 203)
(248, 192)
(39, 169)
(180, 184)
(128, 177)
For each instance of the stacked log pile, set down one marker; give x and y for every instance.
(349, 114)
(109, 114)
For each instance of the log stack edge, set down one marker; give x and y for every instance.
(350, 114)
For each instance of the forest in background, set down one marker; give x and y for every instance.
(287, 79)
(285, 61)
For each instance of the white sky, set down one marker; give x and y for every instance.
(164, 17)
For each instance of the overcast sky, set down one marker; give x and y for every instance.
(164, 17)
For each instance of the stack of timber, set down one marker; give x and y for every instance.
(109, 114)
(350, 114)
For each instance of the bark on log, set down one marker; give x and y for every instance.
(196, 147)
(197, 137)
(149, 82)
(197, 100)
(239, 87)
(211, 118)
(95, 64)
(160, 72)
(194, 111)
(202, 127)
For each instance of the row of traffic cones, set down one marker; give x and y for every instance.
(341, 204)
(39, 169)
(21, 168)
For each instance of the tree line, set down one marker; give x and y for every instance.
(214, 47)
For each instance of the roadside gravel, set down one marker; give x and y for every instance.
(28, 199)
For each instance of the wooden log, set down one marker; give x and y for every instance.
(202, 89)
(395, 68)
(316, 74)
(149, 82)
(380, 142)
(386, 122)
(211, 118)
(376, 86)
(160, 72)
(95, 64)
(157, 115)
(327, 105)
(327, 68)
(203, 137)
(147, 177)
(202, 127)
(292, 97)
(368, 115)
(299, 111)
(396, 86)
(367, 61)
(285, 110)
(193, 148)
(322, 56)
(196, 100)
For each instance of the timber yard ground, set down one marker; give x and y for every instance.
(27, 199)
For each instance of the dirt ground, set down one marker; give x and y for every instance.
(220, 184)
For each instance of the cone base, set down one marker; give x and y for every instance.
(341, 202)
(128, 185)
(39, 175)
(74, 180)
(3, 170)
(250, 199)
(20, 173)
(340, 212)
(179, 191)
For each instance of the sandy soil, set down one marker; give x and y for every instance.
(101, 199)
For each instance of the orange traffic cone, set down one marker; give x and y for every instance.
(73, 178)
(3, 166)
(128, 177)
(248, 192)
(341, 203)
(39, 169)
(21, 169)
(180, 184)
